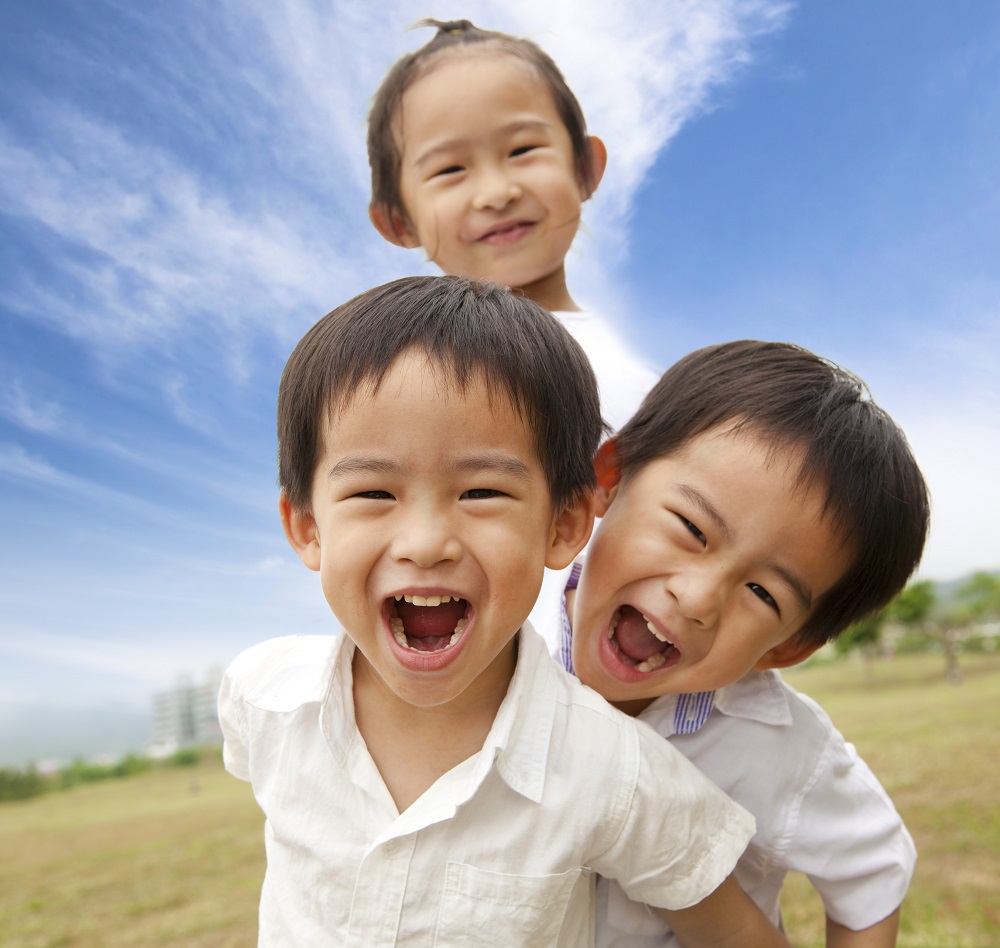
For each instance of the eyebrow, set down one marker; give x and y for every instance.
(511, 128)
(362, 464)
(496, 462)
(800, 589)
(707, 508)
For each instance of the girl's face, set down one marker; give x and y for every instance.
(488, 175)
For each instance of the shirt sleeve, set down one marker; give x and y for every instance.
(850, 840)
(681, 836)
(232, 721)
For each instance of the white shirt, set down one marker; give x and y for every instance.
(623, 379)
(819, 809)
(501, 850)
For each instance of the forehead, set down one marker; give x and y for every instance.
(422, 383)
(745, 470)
(453, 87)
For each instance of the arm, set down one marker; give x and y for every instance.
(880, 935)
(727, 918)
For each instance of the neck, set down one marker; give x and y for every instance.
(633, 707)
(550, 292)
(413, 745)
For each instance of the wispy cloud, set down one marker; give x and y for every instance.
(183, 191)
(153, 245)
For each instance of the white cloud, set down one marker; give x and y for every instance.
(158, 246)
(28, 410)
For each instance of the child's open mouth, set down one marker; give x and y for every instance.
(637, 642)
(427, 623)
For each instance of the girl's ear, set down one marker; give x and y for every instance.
(301, 531)
(392, 224)
(598, 162)
(609, 475)
(570, 532)
(792, 651)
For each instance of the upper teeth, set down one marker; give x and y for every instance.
(649, 625)
(424, 600)
(652, 628)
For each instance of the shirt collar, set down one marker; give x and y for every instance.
(517, 743)
(757, 696)
(522, 731)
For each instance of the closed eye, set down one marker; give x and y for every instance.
(764, 596)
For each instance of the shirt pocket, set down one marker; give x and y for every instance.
(484, 908)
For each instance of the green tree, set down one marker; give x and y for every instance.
(917, 607)
(865, 634)
(980, 596)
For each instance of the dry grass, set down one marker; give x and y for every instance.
(166, 858)
(175, 857)
(936, 748)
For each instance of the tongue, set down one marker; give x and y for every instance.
(634, 638)
(429, 628)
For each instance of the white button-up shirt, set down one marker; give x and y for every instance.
(501, 850)
(819, 809)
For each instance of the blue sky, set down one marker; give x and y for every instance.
(183, 192)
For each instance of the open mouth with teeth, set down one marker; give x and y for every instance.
(427, 623)
(637, 642)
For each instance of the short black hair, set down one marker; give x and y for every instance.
(473, 330)
(787, 397)
(384, 148)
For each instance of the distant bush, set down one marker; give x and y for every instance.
(185, 757)
(20, 784)
(82, 771)
(132, 764)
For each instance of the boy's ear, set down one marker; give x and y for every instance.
(792, 651)
(570, 531)
(300, 529)
(609, 475)
(392, 224)
(598, 163)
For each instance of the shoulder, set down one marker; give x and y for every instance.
(284, 673)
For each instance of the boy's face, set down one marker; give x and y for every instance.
(487, 173)
(429, 494)
(705, 565)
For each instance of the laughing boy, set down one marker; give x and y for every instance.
(431, 776)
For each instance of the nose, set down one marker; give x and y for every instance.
(425, 538)
(700, 593)
(495, 190)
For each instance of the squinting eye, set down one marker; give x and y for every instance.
(523, 150)
(695, 532)
(481, 493)
(374, 495)
(451, 169)
(761, 593)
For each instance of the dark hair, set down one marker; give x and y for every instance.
(787, 397)
(475, 331)
(384, 149)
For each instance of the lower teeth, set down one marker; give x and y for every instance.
(400, 636)
(651, 663)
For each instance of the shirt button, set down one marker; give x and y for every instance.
(389, 847)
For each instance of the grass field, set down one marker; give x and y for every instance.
(174, 857)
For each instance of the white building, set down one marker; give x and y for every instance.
(186, 716)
